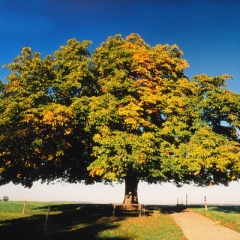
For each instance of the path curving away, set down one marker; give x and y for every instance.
(198, 227)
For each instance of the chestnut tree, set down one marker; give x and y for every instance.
(125, 113)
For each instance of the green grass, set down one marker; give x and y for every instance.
(84, 221)
(228, 216)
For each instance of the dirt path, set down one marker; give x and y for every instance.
(198, 227)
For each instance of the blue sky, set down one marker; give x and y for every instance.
(208, 32)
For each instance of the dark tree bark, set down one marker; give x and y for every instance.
(131, 190)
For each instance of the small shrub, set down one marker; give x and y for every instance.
(5, 198)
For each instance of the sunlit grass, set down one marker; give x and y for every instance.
(10, 210)
(157, 226)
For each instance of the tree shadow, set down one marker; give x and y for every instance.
(67, 221)
(226, 209)
(167, 209)
(181, 208)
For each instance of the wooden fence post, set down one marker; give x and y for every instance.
(46, 220)
(24, 208)
(205, 202)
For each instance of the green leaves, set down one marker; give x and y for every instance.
(127, 109)
(39, 131)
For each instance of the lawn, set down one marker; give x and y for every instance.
(74, 221)
(228, 216)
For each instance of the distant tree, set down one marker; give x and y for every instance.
(5, 198)
(126, 113)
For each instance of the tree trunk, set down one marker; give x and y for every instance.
(131, 190)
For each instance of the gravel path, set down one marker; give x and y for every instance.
(198, 227)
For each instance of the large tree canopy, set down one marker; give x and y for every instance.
(126, 112)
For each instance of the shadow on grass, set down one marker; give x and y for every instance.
(226, 209)
(79, 221)
(167, 209)
(181, 208)
(65, 222)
